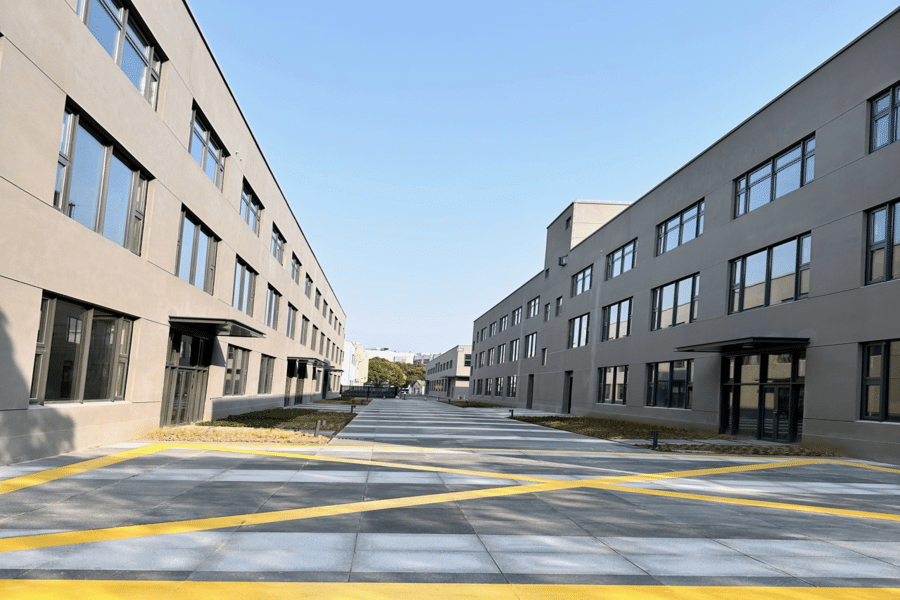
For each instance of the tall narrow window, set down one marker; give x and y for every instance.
(304, 330)
(82, 353)
(251, 209)
(273, 298)
(514, 350)
(886, 118)
(533, 307)
(517, 316)
(266, 374)
(613, 385)
(295, 268)
(778, 176)
(236, 362)
(680, 229)
(244, 287)
(117, 30)
(313, 338)
(883, 248)
(617, 320)
(501, 354)
(196, 254)
(307, 286)
(277, 245)
(621, 260)
(675, 303)
(291, 326)
(318, 301)
(771, 276)
(578, 331)
(881, 381)
(207, 150)
(96, 185)
(530, 345)
(581, 282)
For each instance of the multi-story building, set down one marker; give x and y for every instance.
(151, 270)
(447, 375)
(755, 291)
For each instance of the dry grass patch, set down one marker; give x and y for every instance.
(193, 433)
(293, 419)
(613, 429)
(476, 404)
(766, 450)
(345, 400)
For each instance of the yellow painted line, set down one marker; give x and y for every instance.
(133, 531)
(847, 463)
(704, 472)
(24, 481)
(216, 590)
(822, 510)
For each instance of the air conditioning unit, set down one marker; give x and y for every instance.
(563, 260)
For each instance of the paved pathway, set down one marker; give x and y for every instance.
(421, 499)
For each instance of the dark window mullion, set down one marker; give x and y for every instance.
(889, 224)
(81, 361)
(885, 369)
(100, 217)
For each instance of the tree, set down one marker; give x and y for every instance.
(381, 370)
(413, 373)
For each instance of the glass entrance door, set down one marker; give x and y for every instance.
(187, 371)
(776, 413)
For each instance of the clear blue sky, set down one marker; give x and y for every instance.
(425, 146)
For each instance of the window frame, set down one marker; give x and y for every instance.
(608, 323)
(236, 374)
(882, 380)
(663, 229)
(744, 183)
(619, 256)
(201, 128)
(889, 245)
(504, 323)
(533, 308)
(277, 244)
(266, 374)
(290, 329)
(658, 294)
(211, 252)
(581, 283)
(579, 331)
(530, 345)
(608, 381)
(273, 301)
(514, 350)
(891, 112)
(738, 275)
(251, 208)
(653, 386)
(517, 315)
(244, 281)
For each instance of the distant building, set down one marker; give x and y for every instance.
(447, 375)
(410, 358)
(355, 365)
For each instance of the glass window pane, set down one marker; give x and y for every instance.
(760, 194)
(755, 280)
(881, 131)
(200, 267)
(805, 249)
(104, 27)
(134, 65)
(810, 169)
(236, 296)
(667, 307)
(683, 308)
(873, 401)
(101, 357)
(788, 179)
(748, 409)
(197, 146)
(784, 268)
(804, 282)
(878, 226)
(689, 229)
(750, 368)
(760, 173)
(784, 159)
(672, 231)
(624, 312)
(87, 176)
(212, 165)
(68, 323)
(779, 368)
(740, 205)
(893, 391)
(881, 103)
(873, 364)
(187, 249)
(118, 196)
(60, 183)
(876, 265)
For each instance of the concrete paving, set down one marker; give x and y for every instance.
(422, 493)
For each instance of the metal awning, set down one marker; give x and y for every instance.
(216, 327)
(749, 344)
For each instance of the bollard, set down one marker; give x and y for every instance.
(511, 414)
(318, 423)
(654, 437)
(351, 409)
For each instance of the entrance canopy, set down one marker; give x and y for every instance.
(298, 366)
(750, 344)
(216, 327)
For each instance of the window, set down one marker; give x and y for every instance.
(558, 306)
(675, 303)
(546, 312)
(498, 386)
(771, 276)
(568, 222)
(881, 381)
(244, 287)
(578, 331)
(581, 282)
(613, 385)
(325, 308)
(322, 343)
(530, 345)
(307, 286)
(82, 353)
(533, 307)
(670, 384)
(543, 357)
(488, 387)
(478, 387)
(236, 363)
(196, 254)
(483, 333)
(277, 245)
(490, 356)
(778, 176)
(621, 260)
(501, 354)
(318, 301)
(517, 316)
(291, 327)
(514, 350)
(492, 331)
(680, 229)
(266, 373)
(98, 187)
(116, 29)
(273, 298)
(617, 320)
(883, 248)
(304, 329)
(481, 359)
(467, 360)
(504, 322)
(511, 386)
(206, 150)
(251, 209)
(313, 338)
(886, 118)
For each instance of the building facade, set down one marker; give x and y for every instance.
(152, 272)
(447, 375)
(356, 364)
(754, 291)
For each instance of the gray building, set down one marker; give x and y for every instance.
(755, 291)
(447, 375)
(151, 270)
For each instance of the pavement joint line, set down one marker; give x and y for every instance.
(215, 590)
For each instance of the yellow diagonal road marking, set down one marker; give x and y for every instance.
(216, 590)
(24, 481)
(134, 531)
(822, 510)
(704, 472)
